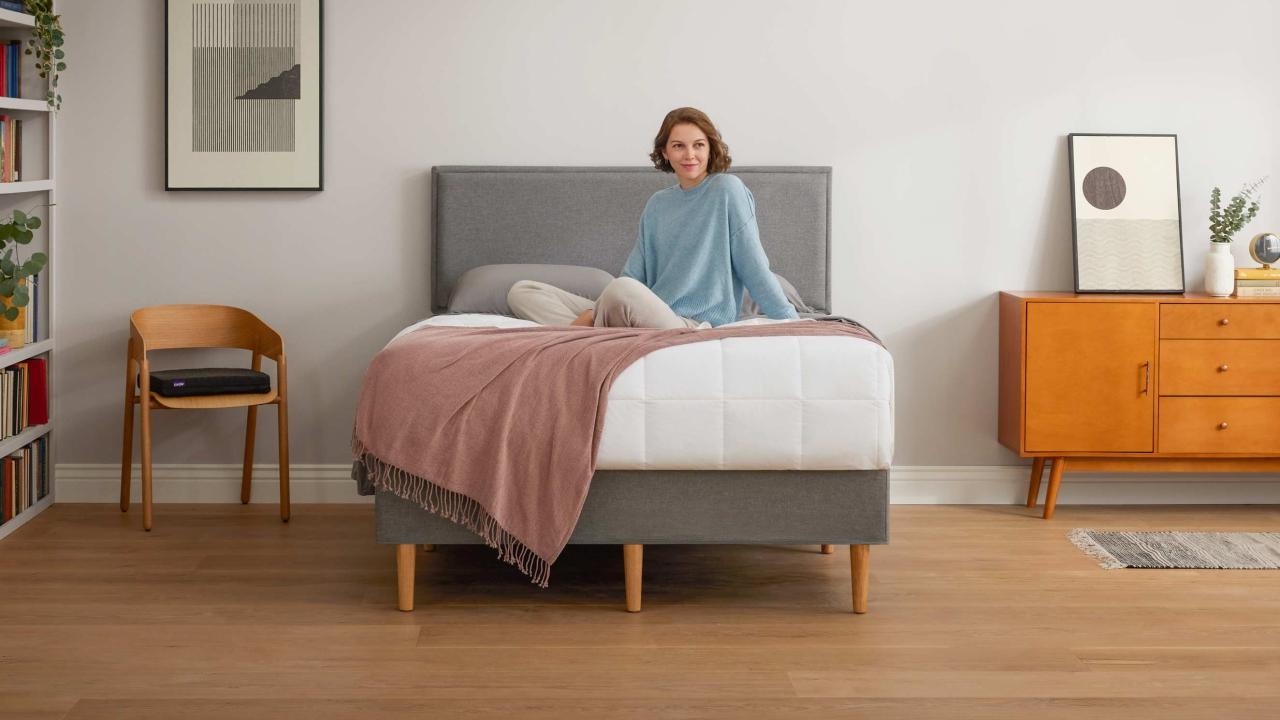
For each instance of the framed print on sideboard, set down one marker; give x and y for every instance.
(243, 102)
(1126, 218)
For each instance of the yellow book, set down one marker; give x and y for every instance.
(1258, 273)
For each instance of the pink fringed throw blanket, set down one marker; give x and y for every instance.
(498, 428)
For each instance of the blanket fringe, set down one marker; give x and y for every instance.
(455, 507)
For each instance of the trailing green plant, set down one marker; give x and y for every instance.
(1243, 207)
(46, 45)
(16, 231)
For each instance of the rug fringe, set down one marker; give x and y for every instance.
(455, 507)
(1081, 539)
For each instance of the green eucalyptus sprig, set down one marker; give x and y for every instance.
(46, 45)
(15, 231)
(1243, 207)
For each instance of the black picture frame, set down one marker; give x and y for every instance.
(1093, 275)
(171, 184)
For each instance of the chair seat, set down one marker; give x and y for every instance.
(191, 402)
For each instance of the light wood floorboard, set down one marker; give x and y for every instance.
(223, 611)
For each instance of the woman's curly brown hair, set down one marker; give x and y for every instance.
(718, 159)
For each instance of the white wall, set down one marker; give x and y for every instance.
(945, 124)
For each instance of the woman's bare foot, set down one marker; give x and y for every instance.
(586, 319)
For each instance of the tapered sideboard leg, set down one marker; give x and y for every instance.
(405, 556)
(1055, 480)
(828, 549)
(1033, 490)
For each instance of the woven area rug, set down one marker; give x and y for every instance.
(1190, 550)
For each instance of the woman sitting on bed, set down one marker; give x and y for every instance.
(697, 248)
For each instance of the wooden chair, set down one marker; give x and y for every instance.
(166, 327)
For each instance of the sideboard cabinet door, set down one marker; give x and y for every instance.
(1090, 376)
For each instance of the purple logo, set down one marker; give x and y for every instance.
(179, 383)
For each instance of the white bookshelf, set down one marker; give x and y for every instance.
(15, 25)
(23, 105)
(11, 19)
(30, 186)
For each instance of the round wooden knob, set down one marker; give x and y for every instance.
(1223, 368)
(1222, 426)
(1224, 321)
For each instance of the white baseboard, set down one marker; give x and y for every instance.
(77, 483)
(910, 485)
(1007, 484)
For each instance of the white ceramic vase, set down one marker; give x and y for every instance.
(1220, 270)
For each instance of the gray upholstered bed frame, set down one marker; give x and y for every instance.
(588, 216)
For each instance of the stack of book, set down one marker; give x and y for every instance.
(11, 69)
(24, 478)
(1258, 282)
(24, 396)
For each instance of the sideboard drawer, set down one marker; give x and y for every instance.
(1220, 320)
(1220, 367)
(1219, 425)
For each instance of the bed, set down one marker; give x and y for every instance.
(762, 440)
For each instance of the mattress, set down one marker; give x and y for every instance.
(760, 403)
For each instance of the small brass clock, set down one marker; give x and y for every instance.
(1265, 249)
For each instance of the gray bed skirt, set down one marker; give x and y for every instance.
(774, 507)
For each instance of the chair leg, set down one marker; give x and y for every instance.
(126, 461)
(146, 456)
(1033, 488)
(405, 576)
(283, 418)
(860, 566)
(246, 477)
(633, 570)
(828, 549)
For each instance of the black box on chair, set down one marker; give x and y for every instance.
(209, 381)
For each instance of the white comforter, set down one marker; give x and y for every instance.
(762, 403)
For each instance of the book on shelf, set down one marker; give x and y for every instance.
(38, 392)
(25, 478)
(14, 5)
(1258, 292)
(13, 50)
(1258, 283)
(1266, 273)
(31, 328)
(10, 134)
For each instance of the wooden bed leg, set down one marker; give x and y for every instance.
(1033, 489)
(828, 549)
(1055, 481)
(404, 576)
(860, 565)
(428, 548)
(633, 569)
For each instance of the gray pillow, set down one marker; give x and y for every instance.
(484, 289)
(751, 309)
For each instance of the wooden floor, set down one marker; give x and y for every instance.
(976, 612)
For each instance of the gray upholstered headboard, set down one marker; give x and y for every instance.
(589, 216)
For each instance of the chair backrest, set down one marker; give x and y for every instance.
(166, 327)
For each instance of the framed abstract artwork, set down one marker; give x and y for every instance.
(243, 103)
(1125, 213)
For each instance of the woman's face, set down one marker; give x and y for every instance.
(687, 150)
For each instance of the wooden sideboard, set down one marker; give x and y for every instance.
(1139, 383)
